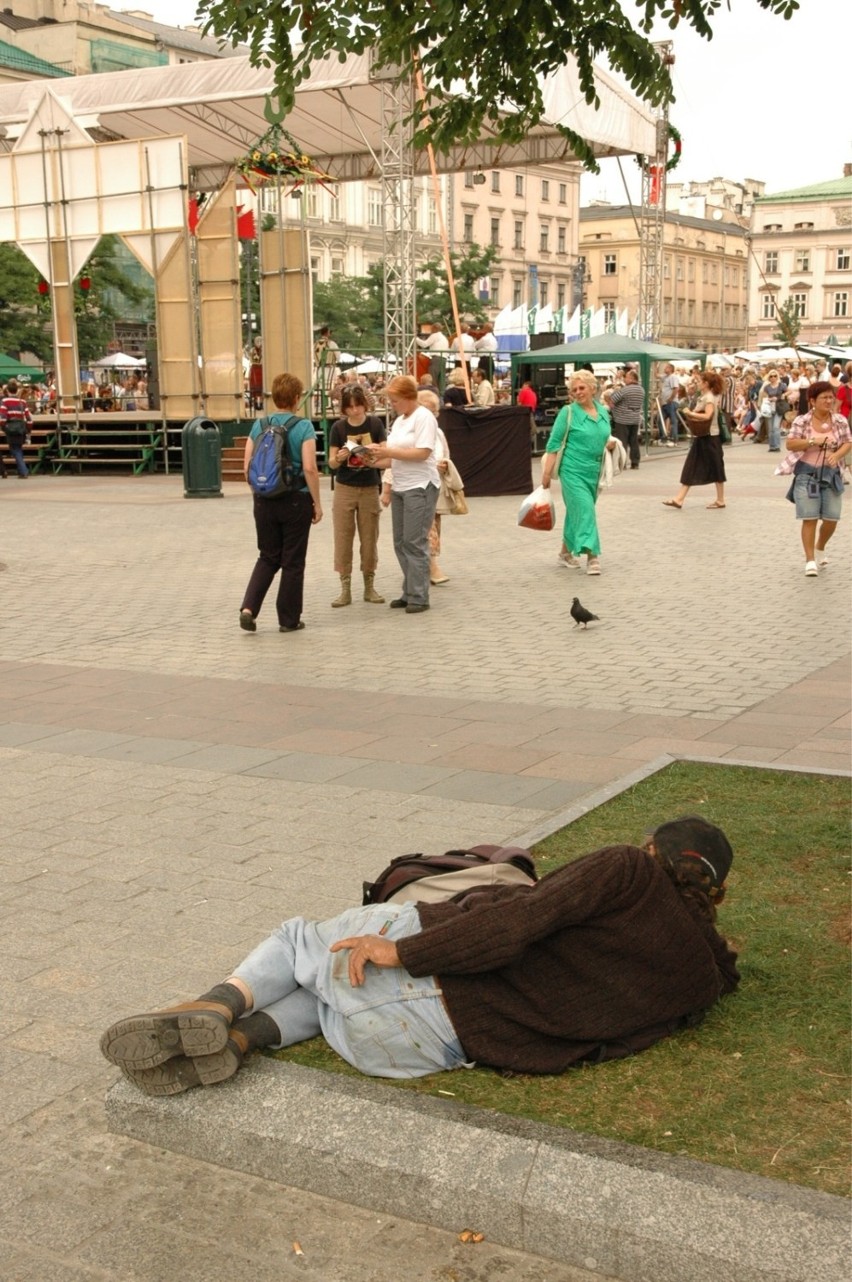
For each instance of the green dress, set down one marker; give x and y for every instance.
(579, 473)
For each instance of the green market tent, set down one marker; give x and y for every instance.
(607, 349)
(10, 368)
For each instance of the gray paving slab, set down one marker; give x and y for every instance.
(115, 861)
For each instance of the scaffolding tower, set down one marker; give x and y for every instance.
(398, 215)
(652, 219)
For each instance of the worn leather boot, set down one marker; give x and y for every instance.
(370, 593)
(345, 597)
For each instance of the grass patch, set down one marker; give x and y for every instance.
(762, 1085)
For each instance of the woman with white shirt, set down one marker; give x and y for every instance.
(410, 454)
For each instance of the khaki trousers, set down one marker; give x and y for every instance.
(356, 506)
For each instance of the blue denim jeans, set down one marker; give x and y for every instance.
(393, 1025)
(670, 416)
(16, 449)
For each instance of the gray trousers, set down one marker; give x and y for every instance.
(412, 512)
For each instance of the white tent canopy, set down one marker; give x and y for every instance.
(118, 360)
(219, 106)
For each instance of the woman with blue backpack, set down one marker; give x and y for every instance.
(281, 469)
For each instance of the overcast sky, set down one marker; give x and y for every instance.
(764, 99)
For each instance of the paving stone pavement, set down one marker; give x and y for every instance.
(172, 787)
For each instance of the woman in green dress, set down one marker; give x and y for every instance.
(587, 424)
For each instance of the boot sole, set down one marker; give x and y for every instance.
(182, 1074)
(147, 1041)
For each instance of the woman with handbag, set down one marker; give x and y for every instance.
(448, 503)
(705, 462)
(574, 452)
(818, 442)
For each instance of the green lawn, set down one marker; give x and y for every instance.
(762, 1084)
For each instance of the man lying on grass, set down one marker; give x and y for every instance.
(600, 958)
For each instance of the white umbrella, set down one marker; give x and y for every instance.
(372, 366)
(346, 358)
(119, 360)
(720, 359)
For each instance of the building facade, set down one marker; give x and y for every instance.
(530, 215)
(705, 273)
(78, 38)
(801, 243)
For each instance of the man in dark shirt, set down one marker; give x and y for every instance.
(626, 406)
(602, 957)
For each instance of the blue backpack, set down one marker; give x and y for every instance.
(271, 468)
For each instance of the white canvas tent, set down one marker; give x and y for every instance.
(219, 107)
(119, 360)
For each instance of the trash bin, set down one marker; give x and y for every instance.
(201, 456)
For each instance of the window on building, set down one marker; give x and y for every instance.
(800, 305)
(560, 240)
(560, 295)
(374, 207)
(543, 292)
(803, 260)
(495, 179)
(803, 226)
(667, 267)
(544, 239)
(310, 194)
(337, 266)
(714, 273)
(334, 213)
(519, 234)
(468, 228)
(726, 275)
(767, 307)
(679, 269)
(519, 188)
(315, 270)
(431, 216)
(563, 193)
(680, 311)
(609, 312)
(667, 312)
(690, 311)
(468, 179)
(495, 231)
(690, 269)
(494, 291)
(841, 262)
(704, 273)
(841, 303)
(771, 226)
(545, 189)
(610, 264)
(517, 292)
(770, 260)
(705, 313)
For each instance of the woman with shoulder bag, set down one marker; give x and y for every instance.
(705, 462)
(818, 442)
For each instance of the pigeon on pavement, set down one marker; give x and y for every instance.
(580, 614)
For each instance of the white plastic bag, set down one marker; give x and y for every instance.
(537, 512)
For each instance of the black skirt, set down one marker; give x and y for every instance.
(705, 463)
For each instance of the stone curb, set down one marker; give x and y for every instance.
(621, 1211)
(615, 1209)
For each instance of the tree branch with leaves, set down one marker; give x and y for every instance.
(483, 61)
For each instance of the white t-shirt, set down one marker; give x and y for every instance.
(418, 430)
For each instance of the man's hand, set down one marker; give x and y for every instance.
(363, 949)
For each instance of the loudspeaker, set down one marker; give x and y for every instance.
(152, 358)
(539, 341)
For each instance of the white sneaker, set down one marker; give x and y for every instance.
(670, 444)
(822, 556)
(811, 570)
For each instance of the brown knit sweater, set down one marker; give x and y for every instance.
(537, 978)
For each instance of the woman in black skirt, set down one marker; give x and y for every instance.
(705, 464)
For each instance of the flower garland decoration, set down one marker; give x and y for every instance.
(278, 155)
(674, 159)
